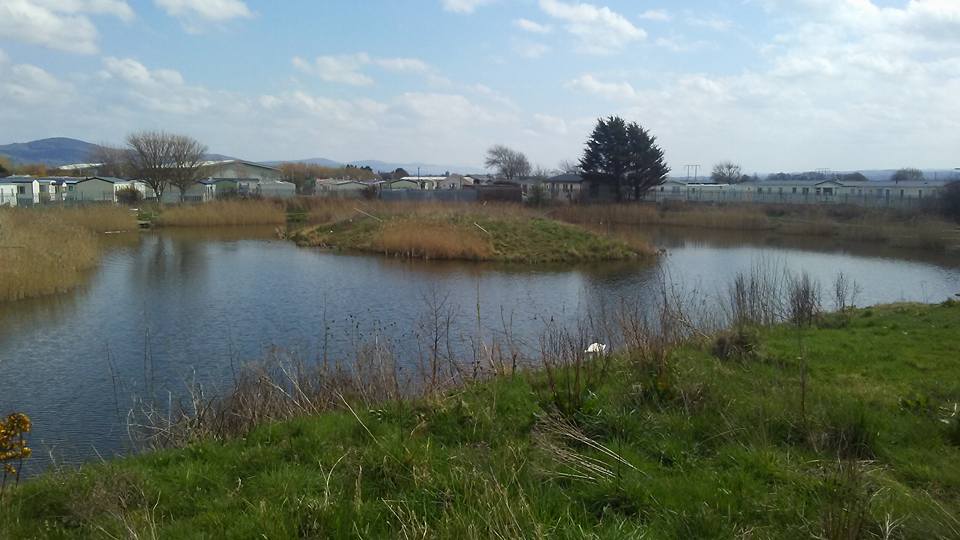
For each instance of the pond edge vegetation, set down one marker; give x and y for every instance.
(760, 420)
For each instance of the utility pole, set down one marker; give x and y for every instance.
(696, 172)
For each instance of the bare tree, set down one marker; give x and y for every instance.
(908, 174)
(569, 166)
(186, 160)
(541, 172)
(111, 160)
(508, 163)
(728, 172)
(149, 159)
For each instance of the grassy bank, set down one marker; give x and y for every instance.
(508, 233)
(844, 429)
(48, 250)
(897, 228)
(222, 214)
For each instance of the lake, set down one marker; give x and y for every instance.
(170, 307)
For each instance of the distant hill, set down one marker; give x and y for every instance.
(52, 152)
(323, 162)
(59, 151)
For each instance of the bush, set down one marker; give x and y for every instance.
(950, 201)
(537, 196)
(129, 196)
(740, 344)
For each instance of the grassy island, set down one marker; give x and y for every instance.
(504, 233)
(846, 428)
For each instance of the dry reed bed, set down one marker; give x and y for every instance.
(897, 228)
(223, 213)
(419, 239)
(457, 231)
(47, 251)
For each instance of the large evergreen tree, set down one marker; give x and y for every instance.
(624, 156)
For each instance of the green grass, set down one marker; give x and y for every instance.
(710, 449)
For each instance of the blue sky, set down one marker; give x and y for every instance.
(772, 84)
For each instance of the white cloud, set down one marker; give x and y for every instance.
(599, 29)
(3, 57)
(160, 90)
(680, 44)
(463, 6)
(443, 110)
(832, 88)
(347, 68)
(609, 90)
(660, 15)
(405, 65)
(531, 26)
(343, 69)
(29, 85)
(552, 124)
(196, 15)
(62, 25)
(718, 24)
(532, 50)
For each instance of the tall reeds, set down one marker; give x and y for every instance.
(223, 213)
(46, 251)
(422, 239)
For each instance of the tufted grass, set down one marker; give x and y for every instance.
(841, 430)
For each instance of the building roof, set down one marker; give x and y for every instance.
(846, 183)
(111, 179)
(241, 162)
(17, 180)
(568, 178)
(79, 166)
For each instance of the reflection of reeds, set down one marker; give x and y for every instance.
(224, 213)
(45, 251)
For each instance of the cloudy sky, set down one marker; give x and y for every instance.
(772, 84)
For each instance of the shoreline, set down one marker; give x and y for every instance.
(684, 420)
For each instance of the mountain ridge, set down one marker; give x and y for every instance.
(59, 151)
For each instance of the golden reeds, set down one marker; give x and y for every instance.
(420, 239)
(223, 213)
(45, 251)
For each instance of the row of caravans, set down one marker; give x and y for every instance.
(801, 191)
(233, 177)
(28, 190)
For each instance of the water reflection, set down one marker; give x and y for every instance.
(177, 306)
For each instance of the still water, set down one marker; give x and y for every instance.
(170, 307)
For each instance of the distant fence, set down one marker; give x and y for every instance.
(66, 199)
(430, 195)
(884, 201)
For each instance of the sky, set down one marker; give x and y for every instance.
(775, 85)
